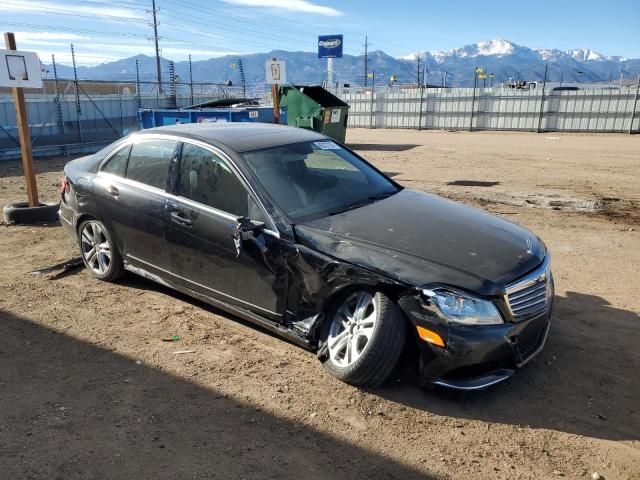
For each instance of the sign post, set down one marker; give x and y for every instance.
(19, 70)
(276, 74)
(330, 47)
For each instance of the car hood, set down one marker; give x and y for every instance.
(421, 239)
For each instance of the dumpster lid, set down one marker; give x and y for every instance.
(321, 96)
(224, 102)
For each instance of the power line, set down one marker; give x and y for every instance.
(72, 13)
(73, 30)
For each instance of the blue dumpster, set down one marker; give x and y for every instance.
(149, 118)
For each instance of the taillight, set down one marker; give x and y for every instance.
(64, 185)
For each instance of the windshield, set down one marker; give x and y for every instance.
(315, 179)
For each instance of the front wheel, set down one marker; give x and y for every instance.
(365, 337)
(98, 251)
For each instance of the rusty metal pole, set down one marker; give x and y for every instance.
(23, 133)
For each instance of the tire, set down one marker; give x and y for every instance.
(98, 251)
(22, 213)
(375, 330)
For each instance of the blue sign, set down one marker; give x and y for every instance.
(330, 46)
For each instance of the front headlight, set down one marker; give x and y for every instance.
(462, 308)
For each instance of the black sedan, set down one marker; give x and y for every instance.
(288, 229)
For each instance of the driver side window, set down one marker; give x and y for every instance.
(206, 178)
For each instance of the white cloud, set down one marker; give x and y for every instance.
(291, 5)
(38, 6)
(43, 38)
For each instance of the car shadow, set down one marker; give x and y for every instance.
(382, 147)
(584, 382)
(70, 409)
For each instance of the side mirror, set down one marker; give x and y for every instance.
(245, 229)
(246, 225)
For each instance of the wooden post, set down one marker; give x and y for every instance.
(23, 133)
(276, 101)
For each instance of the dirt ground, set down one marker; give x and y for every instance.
(89, 390)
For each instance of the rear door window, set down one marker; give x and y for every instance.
(117, 164)
(149, 162)
(206, 178)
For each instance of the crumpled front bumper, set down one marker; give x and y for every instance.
(476, 357)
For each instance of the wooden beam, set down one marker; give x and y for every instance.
(23, 133)
(276, 101)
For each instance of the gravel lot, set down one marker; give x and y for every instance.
(89, 389)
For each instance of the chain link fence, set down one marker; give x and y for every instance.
(66, 116)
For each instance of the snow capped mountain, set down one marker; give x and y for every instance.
(501, 57)
(584, 54)
(509, 60)
(499, 47)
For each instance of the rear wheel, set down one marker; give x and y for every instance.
(98, 251)
(365, 337)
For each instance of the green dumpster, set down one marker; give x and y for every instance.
(315, 108)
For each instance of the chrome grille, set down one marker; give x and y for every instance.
(529, 298)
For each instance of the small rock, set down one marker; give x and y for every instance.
(313, 415)
(596, 476)
(601, 417)
(558, 472)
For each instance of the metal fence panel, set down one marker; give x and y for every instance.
(589, 110)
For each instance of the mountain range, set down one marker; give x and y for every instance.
(505, 59)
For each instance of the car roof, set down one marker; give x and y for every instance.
(240, 137)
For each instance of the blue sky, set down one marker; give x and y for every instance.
(104, 30)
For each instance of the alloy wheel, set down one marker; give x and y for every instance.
(95, 246)
(352, 328)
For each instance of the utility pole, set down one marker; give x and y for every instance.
(58, 98)
(23, 133)
(544, 84)
(138, 99)
(190, 81)
(418, 72)
(366, 60)
(154, 10)
(77, 91)
(635, 104)
(243, 79)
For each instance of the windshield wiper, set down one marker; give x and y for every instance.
(353, 206)
(362, 203)
(382, 195)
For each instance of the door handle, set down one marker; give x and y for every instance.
(180, 219)
(113, 191)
